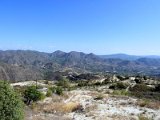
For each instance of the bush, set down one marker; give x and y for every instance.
(64, 83)
(157, 89)
(49, 93)
(121, 92)
(82, 83)
(141, 88)
(59, 90)
(143, 103)
(11, 106)
(119, 86)
(32, 94)
(98, 83)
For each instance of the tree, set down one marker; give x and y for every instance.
(11, 105)
(32, 94)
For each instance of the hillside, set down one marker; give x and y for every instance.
(20, 65)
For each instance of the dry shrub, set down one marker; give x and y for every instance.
(149, 104)
(142, 117)
(52, 107)
(71, 107)
(143, 103)
(153, 105)
(61, 107)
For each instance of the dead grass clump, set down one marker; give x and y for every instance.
(61, 107)
(71, 107)
(52, 107)
(149, 104)
(153, 105)
(141, 117)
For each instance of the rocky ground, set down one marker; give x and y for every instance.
(91, 105)
(102, 99)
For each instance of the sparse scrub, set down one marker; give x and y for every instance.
(149, 104)
(62, 107)
(82, 83)
(32, 94)
(157, 89)
(59, 90)
(142, 117)
(121, 92)
(49, 93)
(119, 86)
(64, 83)
(143, 102)
(141, 88)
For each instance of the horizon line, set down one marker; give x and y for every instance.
(118, 53)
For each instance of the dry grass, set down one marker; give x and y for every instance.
(141, 117)
(70, 107)
(149, 104)
(61, 107)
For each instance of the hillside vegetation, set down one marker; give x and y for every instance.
(22, 65)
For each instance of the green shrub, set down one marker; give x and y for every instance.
(157, 89)
(141, 88)
(98, 83)
(11, 106)
(119, 86)
(59, 90)
(121, 92)
(32, 94)
(106, 81)
(49, 93)
(82, 83)
(64, 83)
(53, 89)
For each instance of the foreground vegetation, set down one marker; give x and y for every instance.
(11, 105)
(55, 97)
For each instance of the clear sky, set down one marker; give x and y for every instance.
(98, 26)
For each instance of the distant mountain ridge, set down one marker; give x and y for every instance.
(20, 65)
(128, 57)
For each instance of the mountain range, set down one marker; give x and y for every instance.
(21, 65)
(129, 57)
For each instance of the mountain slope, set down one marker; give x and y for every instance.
(20, 65)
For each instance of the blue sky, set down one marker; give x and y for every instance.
(98, 26)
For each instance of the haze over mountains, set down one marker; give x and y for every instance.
(20, 65)
(129, 57)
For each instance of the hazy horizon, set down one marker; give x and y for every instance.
(80, 51)
(101, 27)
